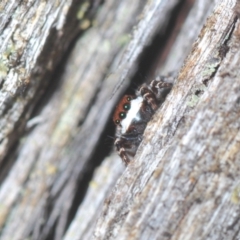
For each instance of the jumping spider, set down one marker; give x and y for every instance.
(134, 112)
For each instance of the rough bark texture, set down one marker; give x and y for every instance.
(55, 105)
(184, 181)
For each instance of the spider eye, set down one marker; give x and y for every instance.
(126, 106)
(122, 115)
(129, 99)
(117, 121)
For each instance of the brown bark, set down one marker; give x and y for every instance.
(54, 118)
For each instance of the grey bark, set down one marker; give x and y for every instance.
(53, 117)
(34, 177)
(184, 182)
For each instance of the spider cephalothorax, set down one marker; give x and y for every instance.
(133, 113)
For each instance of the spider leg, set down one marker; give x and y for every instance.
(155, 92)
(127, 147)
(155, 85)
(160, 88)
(149, 96)
(121, 146)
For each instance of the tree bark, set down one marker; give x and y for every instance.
(183, 183)
(63, 67)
